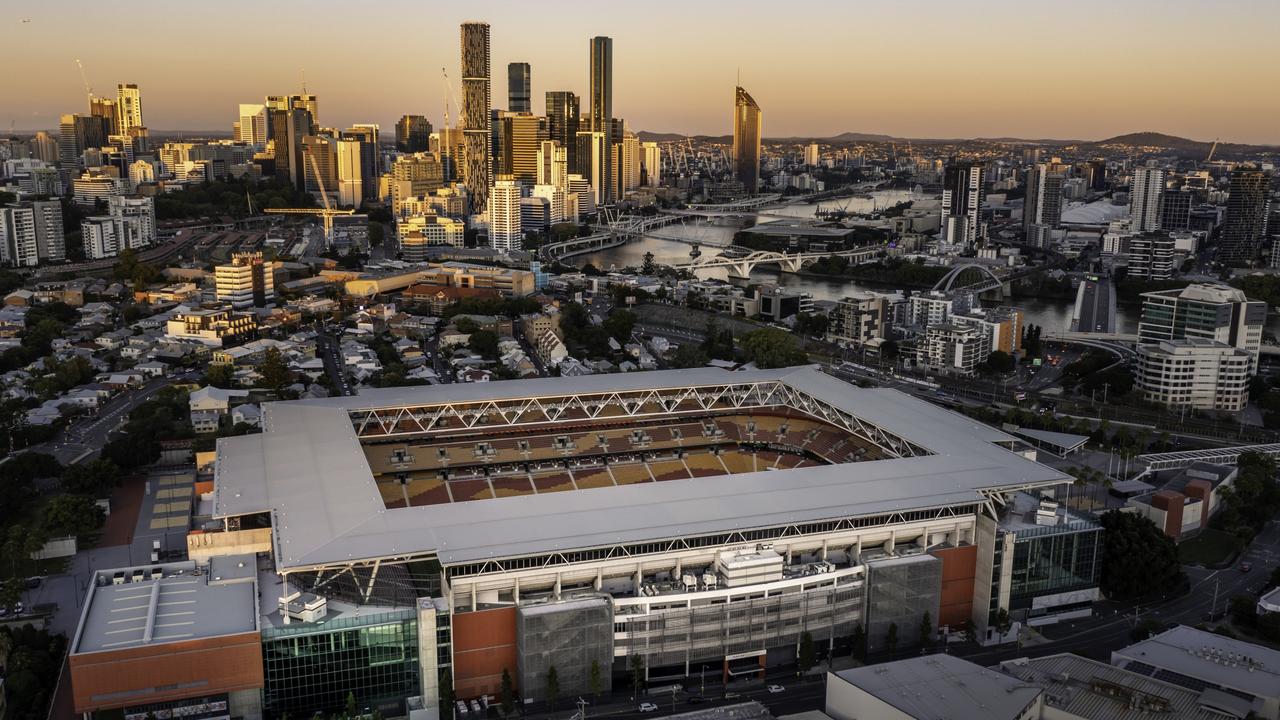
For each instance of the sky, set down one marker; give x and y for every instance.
(1086, 70)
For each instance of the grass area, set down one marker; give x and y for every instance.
(1210, 548)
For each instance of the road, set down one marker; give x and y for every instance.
(330, 351)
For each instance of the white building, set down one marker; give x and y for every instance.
(505, 231)
(1151, 256)
(350, 182)
(129, 224)
(858, 318)
(418, 232)
(651, 160)
(953, 348)
(1195, 373)
(811, 155)
(553, 165)
(1146, 192)
(247, 281)
(253, 124)
(31, 233)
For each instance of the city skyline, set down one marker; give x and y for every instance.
(672, 68)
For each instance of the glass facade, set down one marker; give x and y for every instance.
(1049, 561)
(313, 666)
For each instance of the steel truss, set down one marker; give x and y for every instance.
(441, 419)
(694, 542)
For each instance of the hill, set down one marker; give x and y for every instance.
(1180, 144)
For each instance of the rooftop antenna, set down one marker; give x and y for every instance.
(303, 73)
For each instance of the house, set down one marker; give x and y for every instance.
(247, 414)
(213, 399)
(152, 368)
(205, 421)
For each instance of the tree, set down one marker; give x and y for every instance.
(484, 343)
(773, 348)
(637, 676)
(859, 643)
(891, 639)
(508, 694)
(595, 681)
(71, 515)
(465, 325)
(553, 686)
(649, 267)
(376, 234)
(351, 705)
(446, 690)
(1004, 623)
(220, 375)
(688, 356)
(275, 373)
(1137, 558)
(619, 325)
(889, 350)
(805, 656)
(95, 478)
(926, 629)
(998, 362)
(717, 342)
(814, 325)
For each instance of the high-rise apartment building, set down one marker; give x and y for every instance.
(367, 136)
(651, 164)
(858, 318)
(1146, 195)
(1175, 210)
(31, 233)
(128, 107)
(253, 127)
(553, 166)
(629, 163)
(563, 123)
(1043, 203)
(350, 173)
(962, 195)
(319, 164)
(1151, 256)
(505, 230)
(747, 127)
(247, 281)
(602, 111)
(518, 84)
(475, 120)
(593, 156)
(811, 154)
(1246, 222)
(106, 113)
(413, 134)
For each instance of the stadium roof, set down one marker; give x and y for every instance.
(307, 468)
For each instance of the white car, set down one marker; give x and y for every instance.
(775, 689)
(648, 707)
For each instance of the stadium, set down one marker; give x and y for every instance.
(423, 541)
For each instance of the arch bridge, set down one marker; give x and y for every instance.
(741, 267)
(979, 279)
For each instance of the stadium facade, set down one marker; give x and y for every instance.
(679, 522)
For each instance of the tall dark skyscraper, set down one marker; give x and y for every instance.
(518, 84)
(746, 140)
(602, 103)
(562, 124)
(962, 197)
(413, 134)
(476, 102)
(1246, 220)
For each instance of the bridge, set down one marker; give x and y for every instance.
(1122, 345)
(741, 267)
(986, 281)
(580, 246)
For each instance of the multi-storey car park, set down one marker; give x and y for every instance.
(680, 522)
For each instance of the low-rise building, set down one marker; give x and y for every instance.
(215, 327)
(1195, 373)
(858, 318)
(949, 347)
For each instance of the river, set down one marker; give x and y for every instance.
(1051, 314)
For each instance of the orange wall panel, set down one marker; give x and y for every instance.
(133, 676)
(484, 644)
(959, 569)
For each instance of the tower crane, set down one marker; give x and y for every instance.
(327, 213)
(446, 138)
(85, 79)
(1212, 148)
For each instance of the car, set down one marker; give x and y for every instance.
(648, 707)
(1246, 566)
(775, 689)
(695, 700)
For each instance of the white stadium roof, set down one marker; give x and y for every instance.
(308, 469)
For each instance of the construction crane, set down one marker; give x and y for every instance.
(1212, 148)
(446, 138)
(327, 213)
(85, 79)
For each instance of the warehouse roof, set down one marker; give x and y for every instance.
(934, 687)
(307, 468)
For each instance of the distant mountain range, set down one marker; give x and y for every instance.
(1137, 139)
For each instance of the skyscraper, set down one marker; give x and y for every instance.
(413, 134)
(128, 107)
(1146, 194)
(651, 163)
(350, 172)
(505, 230)
(367, 135)
(475, 113)
(1246, 220)
(592, 156)
(518, 83)
(602, 109)
(253, 124)
(1043, 203)
(104, 113)
(520, 135)
(962, 203)
(562, 124)
(552, 165)
(746, 140)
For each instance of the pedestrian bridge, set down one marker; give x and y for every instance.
(741, 267)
